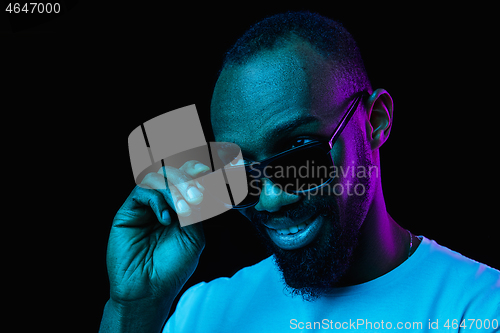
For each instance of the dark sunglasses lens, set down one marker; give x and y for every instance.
(302, 170)
(253, 189)
(299, 171)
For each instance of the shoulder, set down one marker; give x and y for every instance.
(456, 266)
(468, 284)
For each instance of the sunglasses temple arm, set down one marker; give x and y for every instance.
(344, 121)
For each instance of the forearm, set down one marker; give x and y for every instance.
(147, 318)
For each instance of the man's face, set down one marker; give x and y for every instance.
(262, 107)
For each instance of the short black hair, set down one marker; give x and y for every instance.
(325, 35)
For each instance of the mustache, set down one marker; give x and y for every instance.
(296, 211)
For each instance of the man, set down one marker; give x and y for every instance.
(294, 83)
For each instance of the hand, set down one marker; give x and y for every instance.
(149, 255)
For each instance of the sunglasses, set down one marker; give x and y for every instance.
(297, 170)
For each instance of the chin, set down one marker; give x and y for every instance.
(314, 269)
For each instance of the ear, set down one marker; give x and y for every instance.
(379, 106)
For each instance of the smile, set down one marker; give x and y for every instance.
(293, 229)
(296, 236)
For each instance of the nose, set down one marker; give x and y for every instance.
(273, 197)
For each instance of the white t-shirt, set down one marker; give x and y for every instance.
(435, 290)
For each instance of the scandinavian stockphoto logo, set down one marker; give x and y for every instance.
(175, 137)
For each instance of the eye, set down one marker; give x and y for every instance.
(300, 142)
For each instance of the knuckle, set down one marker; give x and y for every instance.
(194, 168)
(180, 179)
(184, 186)
(154, 181)
(191, 163)
(173, 193)
(148, 178)
(167, 170)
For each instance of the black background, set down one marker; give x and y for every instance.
(78, 84)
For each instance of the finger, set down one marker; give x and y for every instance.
(195, 169)
(184, 183)
(170, 192)
(141, 201)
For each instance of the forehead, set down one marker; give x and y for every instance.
(273, 89)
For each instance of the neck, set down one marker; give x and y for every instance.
(383, 245)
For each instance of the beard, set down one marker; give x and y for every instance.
(313, 270)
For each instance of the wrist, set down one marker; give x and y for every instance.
(138, 316)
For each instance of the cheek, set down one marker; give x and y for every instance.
(338, 152)
(351, 148)
(351, 157)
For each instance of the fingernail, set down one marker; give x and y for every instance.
(201, 167)
(182, 206)
(199, 185)
(165, 216)
(194, 193)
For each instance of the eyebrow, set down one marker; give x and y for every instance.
(278, 133)
(288, 127)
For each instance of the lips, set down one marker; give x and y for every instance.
(289, 235)
(278, 223)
